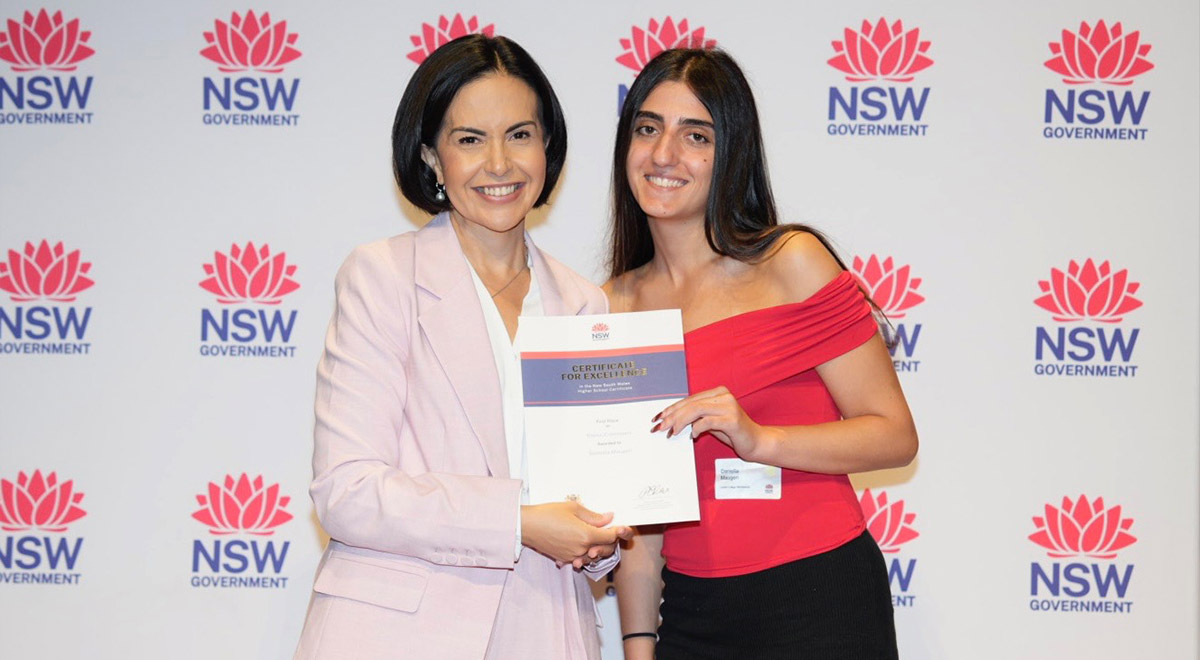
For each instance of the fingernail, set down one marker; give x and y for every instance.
(656, 427)
(657, 417)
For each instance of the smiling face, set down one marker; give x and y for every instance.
(490, 152)
(670, 161)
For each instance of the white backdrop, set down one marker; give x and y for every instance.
(1005, 538)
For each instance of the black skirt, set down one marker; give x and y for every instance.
(833, 606)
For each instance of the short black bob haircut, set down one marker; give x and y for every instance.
(740, 219)
(432, 88)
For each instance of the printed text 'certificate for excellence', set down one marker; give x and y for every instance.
(592, 385)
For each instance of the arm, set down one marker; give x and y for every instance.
(362, 494)
(877, 429)
(639, 590)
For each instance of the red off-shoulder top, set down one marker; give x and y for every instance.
(767, 359)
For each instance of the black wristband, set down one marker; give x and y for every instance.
(641, 634)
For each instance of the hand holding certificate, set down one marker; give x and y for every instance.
(592, 384)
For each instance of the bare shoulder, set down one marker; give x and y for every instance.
(801, 265)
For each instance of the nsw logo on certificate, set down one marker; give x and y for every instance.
(592, 384)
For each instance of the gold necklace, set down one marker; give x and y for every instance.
(514, 277)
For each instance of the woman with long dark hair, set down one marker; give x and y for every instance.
(417, 464)
(791, 389)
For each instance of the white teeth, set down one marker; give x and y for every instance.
(499, 191)
(665, 183)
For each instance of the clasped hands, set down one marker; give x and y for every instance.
(569, 533)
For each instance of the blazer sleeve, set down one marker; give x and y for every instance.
(362, 494)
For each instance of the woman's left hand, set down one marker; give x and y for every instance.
(718, 412)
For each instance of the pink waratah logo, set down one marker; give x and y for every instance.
(881, 52)
(643, 45)
(1089, 292)
(253, 43)
(1099, 54)
(44, 272)
(242, 505)
(447, 30)
(1083, 528)
(44, 41)
(37, 502)
(887, 521)
(600, 327)
(249, 274)
(892, 288)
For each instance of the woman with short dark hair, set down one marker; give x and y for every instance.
(419, 441)
(791, 389)
(432, 89)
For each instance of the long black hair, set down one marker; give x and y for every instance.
(433, 87)
(740, 220)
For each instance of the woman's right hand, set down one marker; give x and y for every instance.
(569, 533)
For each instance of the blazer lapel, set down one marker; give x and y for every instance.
(560, 296)
(454, 327)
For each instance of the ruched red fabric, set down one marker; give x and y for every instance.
(767, 359)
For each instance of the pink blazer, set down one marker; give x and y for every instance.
(411, 475)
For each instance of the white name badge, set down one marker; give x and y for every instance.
(740, 480)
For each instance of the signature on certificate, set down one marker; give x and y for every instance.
(653, 490)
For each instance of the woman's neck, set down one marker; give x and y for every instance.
(491, 253)
(681, 250)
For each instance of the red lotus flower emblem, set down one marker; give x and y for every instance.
(1100, 54)
(600, 327)
(881, 52)
(242, 505)
(37, 502)
(447, 30)
(887, 522)
(1088, 292)
(891, 288)
(1083, 528)
(253, 43)
(44, 41)
(44, 272)
(643, 45)
(249, 273)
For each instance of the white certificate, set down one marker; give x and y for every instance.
(592, 386)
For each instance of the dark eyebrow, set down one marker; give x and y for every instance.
(476, 131)
(654, 116)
